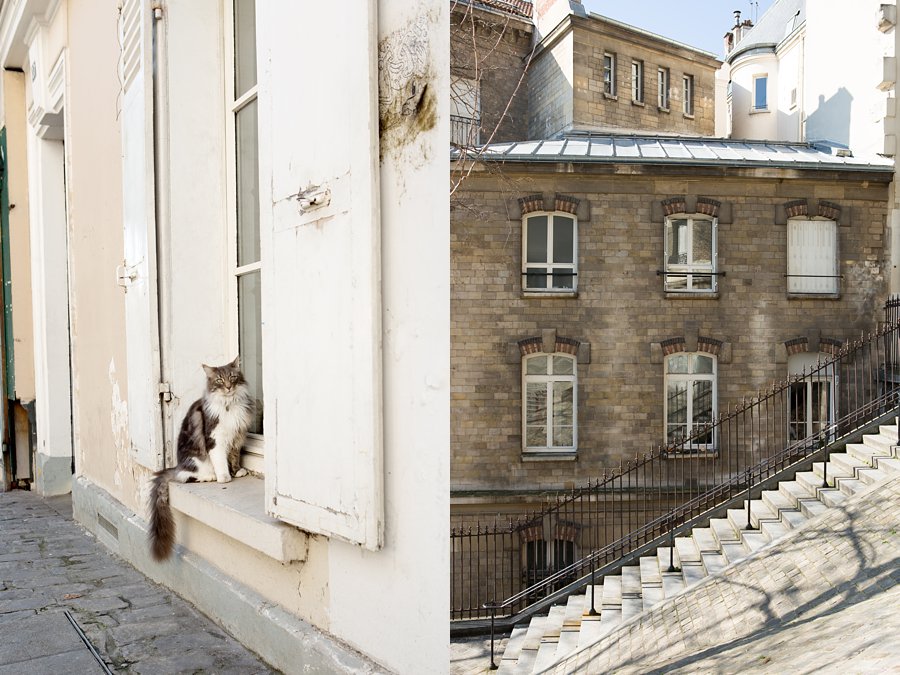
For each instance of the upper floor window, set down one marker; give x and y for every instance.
(688, 92)
(549, 252)
(690, 253)
(637, 81)
(812, 261)
(609, 73)
(549, 402)
(465, 111)
(663, 88)
(690, 403)
(760, 98)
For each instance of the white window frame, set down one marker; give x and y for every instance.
(637, 81)
(764, 77)
(662, 88)
(609, 73)
(820, 274)
(690, 378)
(687, 82)
(688, 269)
(550, 379)
(254, 446)
(808, 367)
(549, 266)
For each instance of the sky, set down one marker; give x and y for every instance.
(698, 23)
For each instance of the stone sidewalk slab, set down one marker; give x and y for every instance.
(49, 565)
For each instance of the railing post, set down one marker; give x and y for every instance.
(823, 448)
(494, 666)
(672, 567)
(593, 611)
(749, 485)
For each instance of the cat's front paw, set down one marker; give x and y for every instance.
(240, 473)
(225, 478)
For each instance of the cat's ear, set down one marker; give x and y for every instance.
(237, 362)
(209, 370)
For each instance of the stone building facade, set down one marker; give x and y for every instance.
(615, 316)
(592, 72)
(490, 48)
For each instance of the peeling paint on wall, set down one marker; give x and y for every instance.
(118, 425)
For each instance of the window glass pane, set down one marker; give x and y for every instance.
(247, 184)
(563, 239)
(563, 277)
(250, 340)
(701, 282)
(563, 414)
(244, 46)
(536, 365)
(563, 365)
(678, 363)
(703, 402)
(703, 364)
(701, 248)
(676, 282)
(759, 94)
(537, 239)
(536, 414)
(536, 279)
(676, 241)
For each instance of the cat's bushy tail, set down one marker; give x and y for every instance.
(162, 524)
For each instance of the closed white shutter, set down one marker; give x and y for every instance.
(812, 256)
(139, 278)
(318, 128)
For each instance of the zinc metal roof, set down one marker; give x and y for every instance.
(643, 149)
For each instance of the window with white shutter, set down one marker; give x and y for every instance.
(321, 278)
(138, 275)
(812, 266)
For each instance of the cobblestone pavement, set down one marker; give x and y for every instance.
(472, 656)
(55, 576)
(823, 600)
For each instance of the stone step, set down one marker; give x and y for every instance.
(529, 646)
(862, 452)
(594, 602)
(754, 540)
(550, 639)
(650, 574)
(850, 486)
(834, 472)
(890, 465)
(631, 582)
(652, 595)
(723, 531)
(612, 593)
(773, 529)
(846, 463)
(777, 501)
(794, 491)
(513, 647)
(714, 562)
(673, 583)
(734, 551)
(591, 631)
(889, 431)
(883, 443)
(568, 635)
(704, 540)
(687, 551)
(870, 476)
(665, 559)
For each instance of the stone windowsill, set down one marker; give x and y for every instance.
(640, 104)
(663, 110)
(813, 296)
(237, 510)
(537, 456)
(693, 295)
(549, 294)
(688, 116)
(610, 97)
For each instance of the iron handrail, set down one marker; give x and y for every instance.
(861, 366)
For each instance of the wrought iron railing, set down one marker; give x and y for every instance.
(464, 131)
(617, 515)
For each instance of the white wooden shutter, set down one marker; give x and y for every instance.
(812, 256)
(139, 273)
(321, 268)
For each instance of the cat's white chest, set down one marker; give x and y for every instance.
(233, 419)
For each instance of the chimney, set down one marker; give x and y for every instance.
(737, 31)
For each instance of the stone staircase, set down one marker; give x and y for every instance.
(534, 647)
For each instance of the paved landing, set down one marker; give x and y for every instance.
(50, 565)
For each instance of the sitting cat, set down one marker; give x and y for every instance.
(209, 447)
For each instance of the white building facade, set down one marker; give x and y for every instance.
(214, 177)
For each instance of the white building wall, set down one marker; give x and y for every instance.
(747, 122)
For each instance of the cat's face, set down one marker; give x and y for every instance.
(224, 379)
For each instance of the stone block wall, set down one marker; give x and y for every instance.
(622, 312)
(493, 49)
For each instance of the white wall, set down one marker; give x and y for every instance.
(844, 63)
(746, 122)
